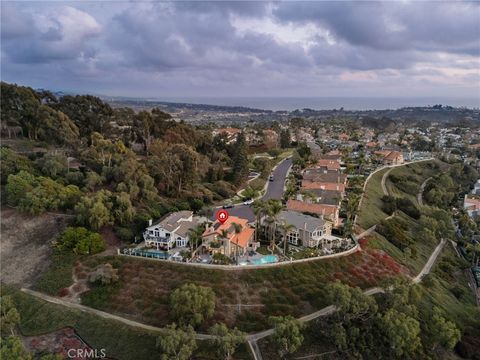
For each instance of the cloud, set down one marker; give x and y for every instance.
(242, 48)
(426, 26)
(60, 34)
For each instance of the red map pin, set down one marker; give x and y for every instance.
(222, 215)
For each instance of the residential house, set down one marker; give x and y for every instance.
(321, 196)
(328, 212)
(312, 185)
(172, 231)
(234, 243)
(320, 175)
(476, 188)
(390, 157)
(329, 164)
(472, 206)
(229, 133)
(307, 230)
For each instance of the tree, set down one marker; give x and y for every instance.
(11, 348)
(442, 332)
(226, 340)
(274, 208)
(192, 304)
(9, 316)
(12, 163)
(104, 274)
(95, 211)
(18, 185)
(176, 343)
(286, 229)
(351, 303)
(401, 332)
(287, 334)
(285, 138)
(124, 211)
(80, 241)
(259, 209)
(240, 160)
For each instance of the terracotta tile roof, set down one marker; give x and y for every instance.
(217, 227)
(320, 209)
(329, 164)
(243, 238)
(471, 203)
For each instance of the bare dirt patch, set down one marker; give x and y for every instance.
(25, 245)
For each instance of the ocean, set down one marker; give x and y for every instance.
(325, 103)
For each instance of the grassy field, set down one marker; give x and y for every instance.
(120, 341)
(417, 174)
(370, 211)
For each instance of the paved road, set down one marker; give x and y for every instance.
(274, 191)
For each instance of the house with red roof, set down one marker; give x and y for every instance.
(390, 157)
(471, 204)
(232, 238)
(329, 164)
(323, 185)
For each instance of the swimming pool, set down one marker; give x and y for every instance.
(151, 254)
(266, 259)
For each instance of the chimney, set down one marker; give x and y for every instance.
(150, 222)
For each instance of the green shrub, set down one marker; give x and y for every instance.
(80, 241)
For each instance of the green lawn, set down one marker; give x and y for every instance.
(370, 212)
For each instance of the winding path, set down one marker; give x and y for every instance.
(420, 192)
(251, 338)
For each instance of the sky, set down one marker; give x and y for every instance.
(244, 49)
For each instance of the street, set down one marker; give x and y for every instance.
(274, 191)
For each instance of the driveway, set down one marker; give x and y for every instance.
(274, 191)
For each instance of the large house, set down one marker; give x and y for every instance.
(329, 164)
(472, 206)
(390, 157)
(232, 238)
(172, 231)
(327, 212)
(307, 231)
(320, 175)
(321, 196)
(317, 185)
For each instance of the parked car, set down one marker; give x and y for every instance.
(270, 178)
(248, 202)
(227, 206)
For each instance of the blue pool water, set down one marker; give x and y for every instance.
(267, 259)
(151, 254)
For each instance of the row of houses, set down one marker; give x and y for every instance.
(322, 189)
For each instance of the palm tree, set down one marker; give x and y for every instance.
(259, 208)
(286, 228)
(224, 237)
(195, 235)
(274, 208)
(238, 229)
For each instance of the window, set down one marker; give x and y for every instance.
(292, 237)
(157, 234)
